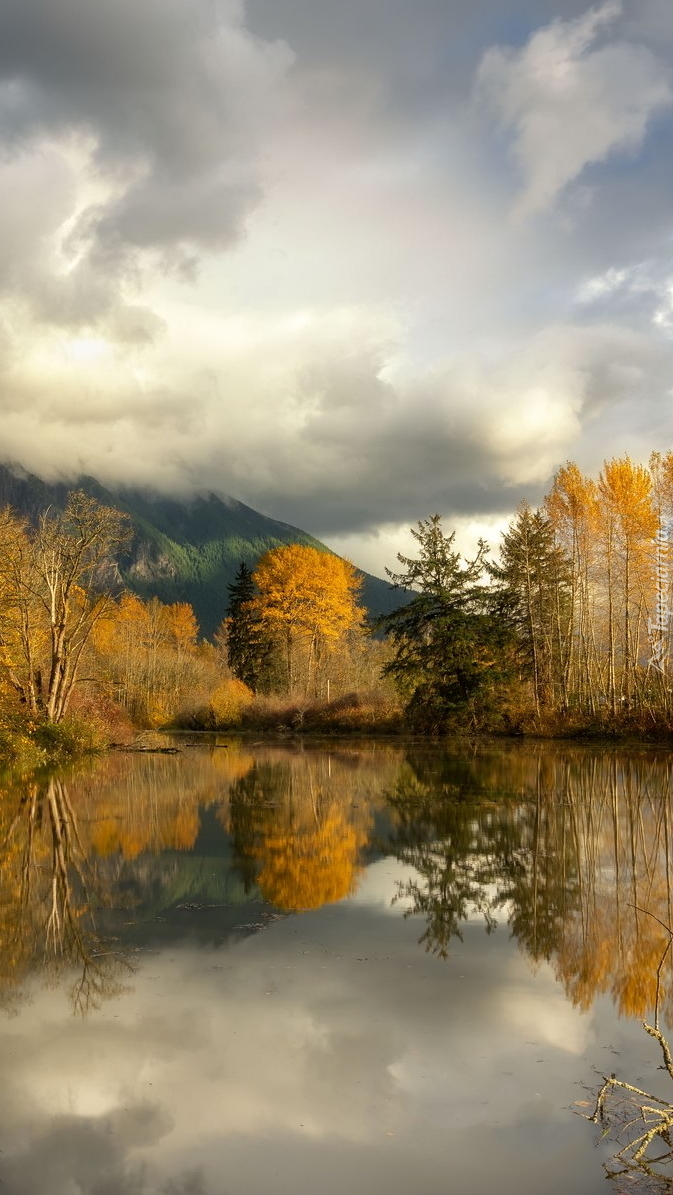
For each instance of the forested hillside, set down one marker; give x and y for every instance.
(182, 550)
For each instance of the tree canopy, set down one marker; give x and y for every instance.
(451, 648)
(54, 581)
(307, 602)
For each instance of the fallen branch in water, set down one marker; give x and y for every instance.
(650, 1112)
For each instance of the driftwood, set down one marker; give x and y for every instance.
(151, 750)
(149, 742)
(641, 1115)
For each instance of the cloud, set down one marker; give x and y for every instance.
(314, 420)
(269, 251)
(570, 104)
(167, 102)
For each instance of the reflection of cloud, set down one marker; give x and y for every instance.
(306, 1032)
(379, 886)
(551, 1021)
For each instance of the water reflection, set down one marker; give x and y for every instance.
(47, 883)
(131, 833)
(571, 848)
(561, 847)
(298, 831)
(325, 1049)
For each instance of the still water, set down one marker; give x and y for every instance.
(245, 969)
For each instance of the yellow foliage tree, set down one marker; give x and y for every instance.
(628, 526)
(307, 602)
(53, 592)
(607, 530)
(148, 653)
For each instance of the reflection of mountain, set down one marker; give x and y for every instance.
(176, 896)
(149, 848)
(565, 846)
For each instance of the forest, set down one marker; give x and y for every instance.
(563, 630)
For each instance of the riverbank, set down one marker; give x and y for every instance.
(358, 714)
(29, 744)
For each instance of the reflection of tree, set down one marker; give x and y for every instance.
(568, 844)
(296, 831)
(465, 852)
(619, 811)
(108, 837)
(149, 803)
(564, 844)
(46, 890)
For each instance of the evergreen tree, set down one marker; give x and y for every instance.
(247, 646)
(452, 648)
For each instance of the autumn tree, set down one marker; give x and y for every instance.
(534, 575)
(607, 530)
(54, 584)
(573, 509)
(628, 526)
(307, 602)
(661, 476)
(149, 658)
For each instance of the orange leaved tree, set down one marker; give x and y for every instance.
(628, 526)
(54, 588)
(307, 604)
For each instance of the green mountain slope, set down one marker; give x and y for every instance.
(183, 551)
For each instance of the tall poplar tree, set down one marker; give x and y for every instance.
(629, 523)
(535, 578)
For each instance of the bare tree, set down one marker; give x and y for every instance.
(54, 586)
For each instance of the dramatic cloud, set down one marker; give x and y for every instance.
(169, 100)
(352, 265)
(570, 104)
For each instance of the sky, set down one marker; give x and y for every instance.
(353, 264)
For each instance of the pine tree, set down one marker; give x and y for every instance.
(452, 652)
(247, 646)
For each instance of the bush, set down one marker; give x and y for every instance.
(98, 722)
(74, 736)
(351, 713)
(226, 707)
(20, 750)
(30, 741)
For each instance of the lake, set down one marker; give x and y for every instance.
(253, 967)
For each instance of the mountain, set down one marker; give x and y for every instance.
(183, 551)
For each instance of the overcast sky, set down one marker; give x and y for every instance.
(351, 263)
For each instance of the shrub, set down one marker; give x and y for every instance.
(228, 703)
